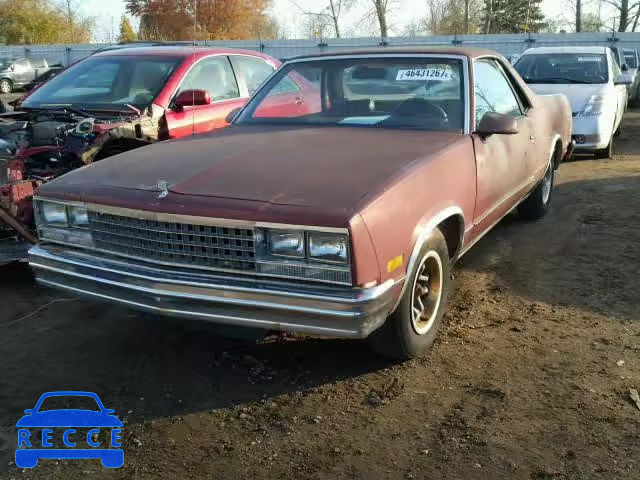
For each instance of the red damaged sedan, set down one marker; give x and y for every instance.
(109, 103)
(335, 204)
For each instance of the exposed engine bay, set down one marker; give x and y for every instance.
(37, 146)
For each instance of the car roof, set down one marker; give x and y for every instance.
(472, 52)
(173, 51)
(542, 50)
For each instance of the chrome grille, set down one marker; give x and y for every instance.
(175, 243)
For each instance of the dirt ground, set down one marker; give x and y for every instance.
(527, 380)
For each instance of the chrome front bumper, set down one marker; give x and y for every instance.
(330, 311)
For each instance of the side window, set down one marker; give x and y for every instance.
(22, 65)
(493, 93)
(253, 70)
(285, 85)
(214, 75)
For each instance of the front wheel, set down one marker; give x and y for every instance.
(537, 204)
(5, 86)
(606, 152)
(412, 327)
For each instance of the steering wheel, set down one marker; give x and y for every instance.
(417, 106)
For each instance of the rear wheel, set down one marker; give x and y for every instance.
(6, 86)
(537, 204)
(413, 327)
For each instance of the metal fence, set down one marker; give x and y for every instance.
(503, 43)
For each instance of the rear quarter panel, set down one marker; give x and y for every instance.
(397, 216)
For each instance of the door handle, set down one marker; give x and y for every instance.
(299, 100)
(532, 138)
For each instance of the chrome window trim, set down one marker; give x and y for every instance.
(463, 58)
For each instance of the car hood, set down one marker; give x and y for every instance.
(69, 418)
(329, 167)
(578, 94)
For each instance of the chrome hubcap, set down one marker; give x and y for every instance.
(427, 292)
(546, 185)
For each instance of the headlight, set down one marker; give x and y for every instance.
(330, 247)
(78, 216)
(594, 106)
(289, 244)
(303, 254)
(54, 214)
(63, 223)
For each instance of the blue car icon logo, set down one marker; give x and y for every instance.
(74, 432)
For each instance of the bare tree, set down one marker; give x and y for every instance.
(381, 10)
(71, 10)
(488, 17)
(578, 15)
(625, 12)
(331, 12)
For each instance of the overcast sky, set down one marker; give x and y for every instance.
(108, 14)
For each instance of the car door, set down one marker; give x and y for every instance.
(214, 75)
(23, 72)
(503, 173)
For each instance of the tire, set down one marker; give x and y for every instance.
(606, 152)
(405, 334)
(618, 131)
(6, 86)
(537, 204)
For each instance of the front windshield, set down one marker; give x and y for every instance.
(106, 83)
(412, 93)
(563, 68)
(630, 59)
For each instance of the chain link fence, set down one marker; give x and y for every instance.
(505, 44)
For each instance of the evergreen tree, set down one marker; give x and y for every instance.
(513, 16)
(127, 34)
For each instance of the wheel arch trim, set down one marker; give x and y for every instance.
(425, 231)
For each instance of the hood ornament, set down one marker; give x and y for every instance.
(163, 188)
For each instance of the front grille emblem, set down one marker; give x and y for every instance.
(163, 188)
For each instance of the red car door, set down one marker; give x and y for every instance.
(503, 172)
(214, 75)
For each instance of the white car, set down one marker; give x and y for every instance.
(631, 60)
(592, 81)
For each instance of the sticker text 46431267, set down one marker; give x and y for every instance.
(424, 74)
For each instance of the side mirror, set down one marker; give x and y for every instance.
(624, 68)
(623, 79)
(29, 411)
(12, 68)
(190, 98)
(494, 123)
(231, 116)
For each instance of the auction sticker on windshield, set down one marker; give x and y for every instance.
(424, 74)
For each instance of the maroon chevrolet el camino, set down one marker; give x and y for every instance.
(335, 204)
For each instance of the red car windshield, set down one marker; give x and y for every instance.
(106, 83)
(410, 93)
